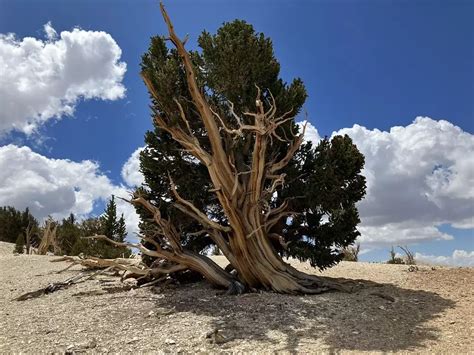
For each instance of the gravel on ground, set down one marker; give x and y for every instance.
(429, 310)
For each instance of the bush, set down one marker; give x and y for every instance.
(409, 258)
(20, 244)
(351, 253)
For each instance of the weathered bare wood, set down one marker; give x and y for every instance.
(244, 193)
(49, 239)
(53, 287)
(28, 234)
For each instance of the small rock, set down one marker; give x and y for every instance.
(382, 307)
(151, 313)
(452, 322)
(170, 342)
(132, 340)
(83, 346)
(215, 337)
(355, 332)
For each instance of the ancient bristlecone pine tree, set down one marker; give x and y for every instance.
(245, 189)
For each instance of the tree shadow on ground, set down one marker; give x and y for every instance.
(365, 320)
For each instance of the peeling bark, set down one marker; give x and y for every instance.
(243, 193)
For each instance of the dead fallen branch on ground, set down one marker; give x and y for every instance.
(53, 287)
(93, 263)
(131, 268)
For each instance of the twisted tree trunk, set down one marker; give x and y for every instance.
(243, 192)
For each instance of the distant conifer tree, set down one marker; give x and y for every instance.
(20, 244)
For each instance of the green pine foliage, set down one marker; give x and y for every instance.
(323, 183)
(121, 234)
(114, 229)
(70, 232)
(121, 229)
(13, 222)
(394, 259)
(20, 244)
(88, 247)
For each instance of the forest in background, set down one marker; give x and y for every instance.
(66, 236)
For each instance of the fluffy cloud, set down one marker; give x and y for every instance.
(131, 169)
(311, 134)
(459, 258)
(399, 233)
(56, 186)
(42, 80)
(418, 177)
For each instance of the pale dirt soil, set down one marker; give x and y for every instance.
(432, 313)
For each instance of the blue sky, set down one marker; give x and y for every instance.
(377, 64)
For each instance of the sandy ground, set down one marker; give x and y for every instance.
(431, 312)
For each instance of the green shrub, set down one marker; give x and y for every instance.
(409, 258)
(20, 244)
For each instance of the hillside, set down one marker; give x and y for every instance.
(429, 310)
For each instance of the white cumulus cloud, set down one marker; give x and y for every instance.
(56, 187)
(418, 177)
(50, 32)
(400, 233)
(311, 133)
(42, 80)
(131, 169)
(458, 258)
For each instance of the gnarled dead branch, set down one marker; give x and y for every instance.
(49, 240)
